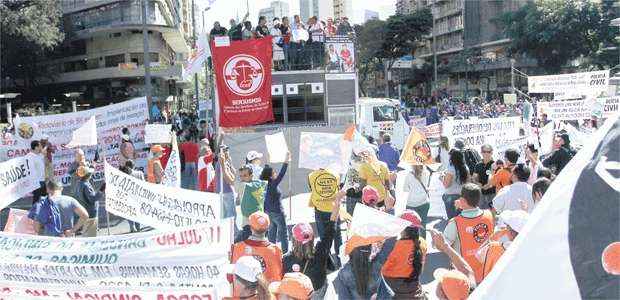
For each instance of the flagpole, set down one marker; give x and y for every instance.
(290, 176)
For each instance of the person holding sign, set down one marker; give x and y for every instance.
(252, 199)
(273, 207)
(324, 189)
(154, 168)
(376, 174)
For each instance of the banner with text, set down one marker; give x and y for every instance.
(606, 107)
(32, 291)
(590, 83)
(18, 177)
(111, 119)
(477, 132)
(566, 110)
(433, 131)
(156, 205)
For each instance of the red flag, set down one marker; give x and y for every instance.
(243, 73)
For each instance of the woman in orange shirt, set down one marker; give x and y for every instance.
(400, 277)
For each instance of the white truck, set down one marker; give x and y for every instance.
(376, 115)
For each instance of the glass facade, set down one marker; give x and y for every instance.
(126, 12)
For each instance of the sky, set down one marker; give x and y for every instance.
(224, 10)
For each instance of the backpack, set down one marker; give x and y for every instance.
(472, 158)
(49, 216)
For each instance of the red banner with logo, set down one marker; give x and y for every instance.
(243, 74)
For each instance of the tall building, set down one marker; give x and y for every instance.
(306, 9)
(343, 8)
(323, 9)
(102, 56)
(277, 9)
(370, 14)
(405, 7)
(471, 49)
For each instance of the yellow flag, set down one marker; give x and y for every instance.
(416, 150)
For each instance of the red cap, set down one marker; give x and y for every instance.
(370, 195)
(413, 217)
(303, 233)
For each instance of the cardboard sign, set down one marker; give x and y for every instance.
(157, 133)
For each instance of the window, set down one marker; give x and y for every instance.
(92, 63)
(138, 57)
(114, 60)
(384, 113)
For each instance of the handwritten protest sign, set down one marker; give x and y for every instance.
(132, 114)
(418, 123)
(156, 205)
(566, 110)
(172, 173)
(606, 107)
(18, 177)
(433, 131)
(188, 257)
(596, 81)
(276, 147)
(157, 133)
(477, 132)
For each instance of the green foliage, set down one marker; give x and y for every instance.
(369, 42)
(555, 32)
(29, 30)
(404, 34)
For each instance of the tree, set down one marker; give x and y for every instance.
(369, 43)
(554, 32)
(404, 34)
(30, 29)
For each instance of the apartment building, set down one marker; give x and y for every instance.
(405, 7)
(343, 8)
(102, 55)
(276, 9)
(472, 57)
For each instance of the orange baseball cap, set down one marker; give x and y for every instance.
(454, 284)
(157, 148)
(358, 241)
(259, 221)
(295, 285)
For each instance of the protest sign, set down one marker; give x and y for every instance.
(433, 131)
(276, 147)
(322, 150)
(132, 114)
(188, 257)
(85, 135)
(156, 205)
(32, 291)
(566, 110)
(369, 222)
(419, 123)
(478, 132)
(172, 173)
(592, 82)
(18, 177)
(18, 222)
(504, 143)
(416, 150)
(510, 99)
(576, 222)
(157, 133)
(606, 107)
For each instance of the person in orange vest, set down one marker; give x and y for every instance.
(257, 245)
(248, 280)
(154, 169)
(468, 231)
(294, 286)
(452, 284)
(489, 254)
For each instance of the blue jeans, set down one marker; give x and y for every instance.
(189, 176)
(277, 227)
(448, 201)
(322, 220)
(229, 210)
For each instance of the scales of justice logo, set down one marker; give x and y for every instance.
(244, 74)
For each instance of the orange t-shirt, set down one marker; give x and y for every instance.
(268, 254)
(396, 266)
(501, 179)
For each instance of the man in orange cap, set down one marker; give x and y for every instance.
(257, 245)
(154, 169)
(451, 284)
(295, 286)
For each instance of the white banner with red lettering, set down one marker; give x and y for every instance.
(157, 205)
(18, 177)
(477, 132)
(191, 257)
(32, 291)
(432, 131)
(132, 114)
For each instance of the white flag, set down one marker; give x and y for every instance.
(194, 63)
(368, 222)
(277, 148)
(172, 173)
(86, 135)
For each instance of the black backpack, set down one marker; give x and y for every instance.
(472, 158)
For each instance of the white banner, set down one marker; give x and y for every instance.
(18, 177)
(157, 133)
(566, 110)
(504, 143)
(157, 205)
(85, 135)
(276, 146)
(594, 82)
(433, 131)
(188, 257)
(32, 291)
(111, 119)
(477, 132)
(172, 173)
(322, 150)
(606, 107)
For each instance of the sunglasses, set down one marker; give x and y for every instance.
(487, 151)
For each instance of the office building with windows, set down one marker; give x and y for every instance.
(277, 9)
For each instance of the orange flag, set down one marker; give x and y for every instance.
(416, 150)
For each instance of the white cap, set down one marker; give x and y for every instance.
(252, 155)
(516, 219)
(248, 268)
(125, 137)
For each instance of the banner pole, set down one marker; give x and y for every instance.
(290, 177)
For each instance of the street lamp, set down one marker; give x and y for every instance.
(9, 97)
(73, 96)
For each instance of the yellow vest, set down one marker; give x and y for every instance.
(323, 187)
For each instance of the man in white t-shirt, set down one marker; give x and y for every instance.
(518, 194)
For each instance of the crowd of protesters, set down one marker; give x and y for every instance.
(298, 44)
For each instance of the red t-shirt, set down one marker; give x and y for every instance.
(190, 150)
(164, 158)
